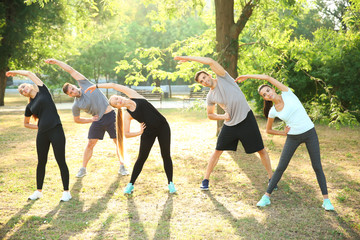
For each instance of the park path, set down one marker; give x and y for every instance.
(61, 106)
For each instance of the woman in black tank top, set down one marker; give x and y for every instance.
(153, 125)
(42, 107)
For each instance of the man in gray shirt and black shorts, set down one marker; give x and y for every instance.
(103, 116)
(239, 121)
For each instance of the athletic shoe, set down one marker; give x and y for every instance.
(123, 171)
(36, 195)
(327, 205)
(81, 173)
(204, 185)
(172, 188)
(66, 196)
(264, 201)
(276, 186)
(129, 188)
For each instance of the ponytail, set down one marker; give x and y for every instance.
(267, 106)
(120, 133)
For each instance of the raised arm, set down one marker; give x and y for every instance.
(75, 74)
(214, 65)
(128, 91)
(28, 74)
(271, 80)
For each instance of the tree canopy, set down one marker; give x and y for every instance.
(313, 47)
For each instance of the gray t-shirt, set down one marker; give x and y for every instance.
(94, 103)
(229, 97)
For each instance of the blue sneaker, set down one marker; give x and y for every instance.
(327, 205)
(204, 185)
(264, 201)
(129, 188)
(172, 188)
(276, 186)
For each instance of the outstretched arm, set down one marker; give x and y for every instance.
(214, 65)
(28, 74)
(75, 74)
(271, 80)
(128, 91)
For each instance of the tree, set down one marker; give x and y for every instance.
(31, 33)
(13, 14)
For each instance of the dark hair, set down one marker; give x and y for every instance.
(267, 104)
(198, 74)
(66, 87)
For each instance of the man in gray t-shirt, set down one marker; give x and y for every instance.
(239, 121)
(96, 104)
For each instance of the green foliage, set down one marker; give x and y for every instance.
(322, 69)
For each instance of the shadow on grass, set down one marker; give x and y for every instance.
(237, 224)
(105, 227)
(15, 219)
(66, 213)
(251, 165)
(136, 229)
(163, 227)
(287, 197)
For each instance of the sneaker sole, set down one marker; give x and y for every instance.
(33, 199)
(328, 209)
(263, 206)
(204, 189)
(65, 201)
(81, 176)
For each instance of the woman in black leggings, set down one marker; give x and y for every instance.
(299, 129)
(42, 107)
(153, 125)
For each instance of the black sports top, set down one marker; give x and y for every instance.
(146, 113)
(44, 108)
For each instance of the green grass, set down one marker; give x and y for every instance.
(99, 209)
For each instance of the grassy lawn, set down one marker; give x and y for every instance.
(100, 210)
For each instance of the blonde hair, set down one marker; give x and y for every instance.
(35, 87)
(120, 133)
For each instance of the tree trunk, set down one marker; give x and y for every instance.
(107, 78)
(226, 45)
(227, 34)
(2, 86)
(170, 92)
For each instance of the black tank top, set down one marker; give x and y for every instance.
(44, 108)
(146, 113)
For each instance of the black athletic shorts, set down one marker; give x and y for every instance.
(246, 131)
(105, 124)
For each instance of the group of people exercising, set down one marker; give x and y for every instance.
(239, 125)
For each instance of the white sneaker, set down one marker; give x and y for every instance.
(123, 171)
(36, 195)
(81, 173)
(65, 197)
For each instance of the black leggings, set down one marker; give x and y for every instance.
(146, 143)
(56, 137)
(311, 140)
